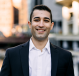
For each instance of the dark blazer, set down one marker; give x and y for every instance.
(16, 61)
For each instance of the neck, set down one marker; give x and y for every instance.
(39, 44)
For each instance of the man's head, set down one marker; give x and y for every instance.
(40, 22)
(41, 7)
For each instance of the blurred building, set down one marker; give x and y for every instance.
(6, 17)
(12, 13)
(70, 29)
(70, 14)
(70, 24)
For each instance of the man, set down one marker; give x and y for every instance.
(38, 57)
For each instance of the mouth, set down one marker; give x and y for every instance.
(41, 30)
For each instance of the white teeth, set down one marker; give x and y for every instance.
(40, 30)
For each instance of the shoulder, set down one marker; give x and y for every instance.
(62, 51)
(63, 55)
(17, 48)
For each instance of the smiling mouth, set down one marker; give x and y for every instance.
(40, 29)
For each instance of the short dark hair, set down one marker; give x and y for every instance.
(41, 7)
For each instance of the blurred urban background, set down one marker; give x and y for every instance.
(14, 30)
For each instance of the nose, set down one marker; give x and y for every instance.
(41, 23)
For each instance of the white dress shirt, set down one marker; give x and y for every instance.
(39, 62)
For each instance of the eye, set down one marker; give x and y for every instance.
(46, 20)
(36, 20)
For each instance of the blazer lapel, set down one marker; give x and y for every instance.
(54, 60)
(24, 52)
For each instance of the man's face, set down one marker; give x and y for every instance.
(41, 24)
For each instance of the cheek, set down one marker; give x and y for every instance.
(47, 24)
(35, 23)
(48, 27)
(32, 29)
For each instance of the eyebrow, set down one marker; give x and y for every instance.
(44, 18)
(36, 17)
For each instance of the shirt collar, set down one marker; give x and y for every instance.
(31, 45)
(47, 47)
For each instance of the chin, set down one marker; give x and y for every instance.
(41, 38)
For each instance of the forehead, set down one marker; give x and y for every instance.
(41, 13)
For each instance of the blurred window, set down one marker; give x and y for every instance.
(38, 2)
(16, 17)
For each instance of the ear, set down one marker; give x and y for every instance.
(52, 24)
(29, 23)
